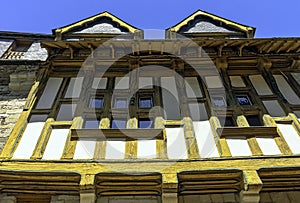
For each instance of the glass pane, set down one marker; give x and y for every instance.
(170, 98)
(49, 94)
(296, 76)
(254, 120)
(122, 83)
(145, 123)
(243, 100)
(213, 82)
(120, 103)
(145, 83)
(74, 88)
(274, 108)
(198, 111)
(96, 103)
(192, 87)
(66, 112)
(91, 124)
(260, 85)
(118, 123)
(297, 113)
(286, 90)
(218, 101)
(99, 83)
(145, 102)
(237, 81)
(38, 118)
(226, 121)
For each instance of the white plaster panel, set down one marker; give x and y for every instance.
(84, 150)
(205, 139)
(238, 147)
(268, 145)
(56, 144)
(176, 147)
(291, 137)
(115, 149)
(146, 149)
(29, 140)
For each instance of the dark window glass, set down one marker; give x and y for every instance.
(96, 103)
(227, 121)
(120, 103)
(145, 102)
(91, 124)
(254, 120)
(118, 123)
(145, 123)
(243, 100)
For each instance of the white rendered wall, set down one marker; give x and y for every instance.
(176, 147)
(238, 147)
(291, 137)
(115, 150)
(84, 150)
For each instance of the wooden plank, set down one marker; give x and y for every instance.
(116, 134)
(248, 132)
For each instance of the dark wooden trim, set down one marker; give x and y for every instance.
(248, 132)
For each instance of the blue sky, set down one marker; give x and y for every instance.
(272, 18)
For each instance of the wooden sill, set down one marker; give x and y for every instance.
(117, 134)
(248, 132)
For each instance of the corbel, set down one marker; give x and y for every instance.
(71, 50)
(112, 51)
(92, 48)
(252, 187)
(241, 48)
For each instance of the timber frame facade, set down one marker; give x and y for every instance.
(250, 154)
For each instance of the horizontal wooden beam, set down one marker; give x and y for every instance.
(116, 134)
(247, 131)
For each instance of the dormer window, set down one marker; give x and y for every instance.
(17, 50)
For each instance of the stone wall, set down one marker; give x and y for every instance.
(15, 83)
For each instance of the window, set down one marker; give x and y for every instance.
(91, 124)
(145, 102)
(227, 121)
(120, 103)
(96, 103)
(218, 101)
(254, 120)
(145, 123)
(17, 50)
(243, 100)
(118, 123)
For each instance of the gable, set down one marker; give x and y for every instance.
(202, 23)
(103, 23)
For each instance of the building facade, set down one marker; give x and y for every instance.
(209, 114)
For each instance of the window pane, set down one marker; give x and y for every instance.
(74, 88)
(96, 103)
(99, 83)
(145, 83)
(254, 120)
(91, 124)
(145, 102)
(226, 121)
(286, 90)
(297, 113)
(237, 81)
(260, 85)
(145, 123)
(170, 98)
(38, 118)
(118, 123)
(218, 101)
(122, 83)
(213, 82)
(120, 103)
(49, 94)
(243, 100)
(296, 76)
(192, 87)
(274, 108)
(66, 112)
(198, 111)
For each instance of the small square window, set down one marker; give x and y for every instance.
(243, 100)
(96, 103)
(227, 121)
(145, 102)
(219, 101)
(118, 123)
(145, 123)
(120, 103)
(91, 124)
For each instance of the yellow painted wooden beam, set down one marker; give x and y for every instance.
(131, 146)
(100, 149)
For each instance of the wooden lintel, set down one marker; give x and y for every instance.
(247, 131)
(116, 134)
